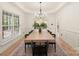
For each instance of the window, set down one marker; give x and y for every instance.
(10, 25)
(16, 24)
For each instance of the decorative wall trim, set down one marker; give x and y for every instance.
(70, 31)
(68, 49)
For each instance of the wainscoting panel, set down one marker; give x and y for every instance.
(72, 38)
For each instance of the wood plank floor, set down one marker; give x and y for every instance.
(62, 49)
(20, 51)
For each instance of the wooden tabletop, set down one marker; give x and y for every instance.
(35, 35)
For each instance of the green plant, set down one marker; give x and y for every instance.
(38, 26)
(43, 25)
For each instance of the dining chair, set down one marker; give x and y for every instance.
(28, 43)
(39, 49)
(30, 32)
(53, 42)
(49, 31)
(26, 35)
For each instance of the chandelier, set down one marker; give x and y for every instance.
(40, 16)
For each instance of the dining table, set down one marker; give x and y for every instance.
(38, 37)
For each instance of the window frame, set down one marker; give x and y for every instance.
(10, 23)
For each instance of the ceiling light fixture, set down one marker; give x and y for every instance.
(40, 16)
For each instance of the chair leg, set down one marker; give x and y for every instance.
(46, 53)
(28, 45)
(32, 53)
(55, 47)
(25, 47)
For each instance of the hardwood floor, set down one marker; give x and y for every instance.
(13, 48)
(17, 49)
(51, 52)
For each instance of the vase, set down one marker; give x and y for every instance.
(40, 30)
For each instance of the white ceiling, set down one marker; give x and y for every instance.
(33, 7)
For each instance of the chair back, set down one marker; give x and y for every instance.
(26, 35)
(54, 35)
(30, 31)
(39, 48)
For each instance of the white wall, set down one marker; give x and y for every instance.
(51, 19)
(0, 25)
(68, 18)
(29, 21)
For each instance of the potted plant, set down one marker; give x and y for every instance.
(40, 26)
(43, 25)
(36, 25)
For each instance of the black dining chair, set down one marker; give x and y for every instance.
(30, 32)
(28, 43)
(26, 35)
(53, 42)
(39, 50)
(49, 31)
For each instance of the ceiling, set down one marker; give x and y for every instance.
(33, 7)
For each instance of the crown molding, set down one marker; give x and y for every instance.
(58, 8)
(21, 8)
(51, 11)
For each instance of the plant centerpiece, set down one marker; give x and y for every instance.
(40, 26)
